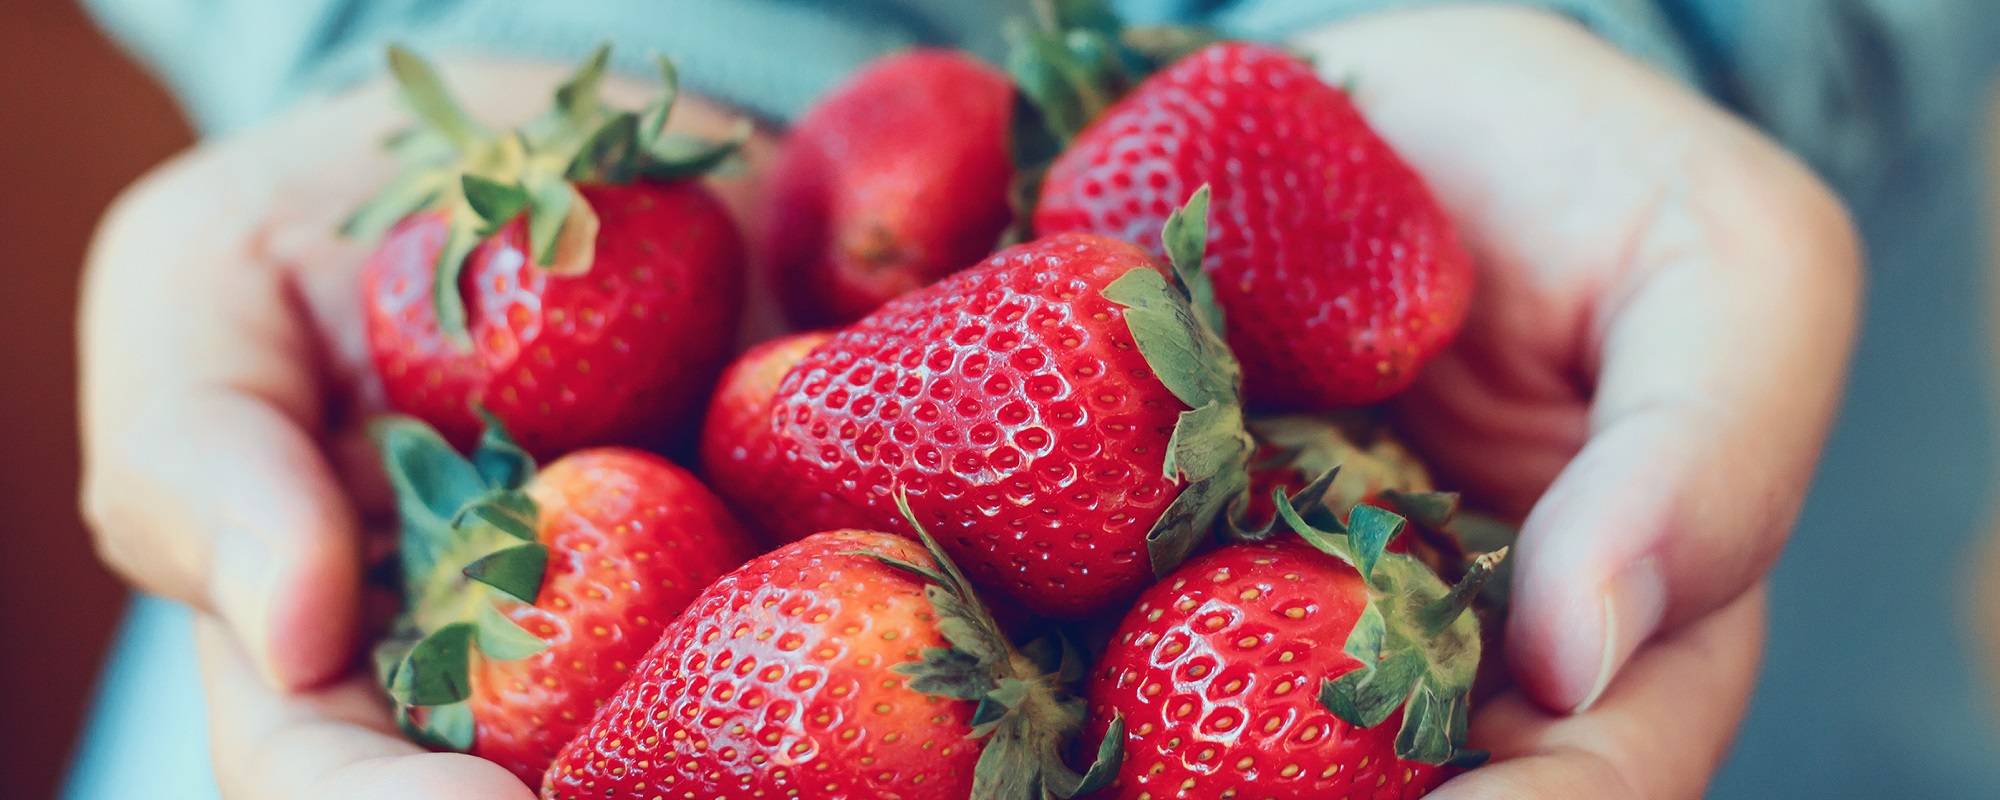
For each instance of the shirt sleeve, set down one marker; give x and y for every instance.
(1637, 26)
(233, 62)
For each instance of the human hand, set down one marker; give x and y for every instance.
(225, 383)
(1656, 347)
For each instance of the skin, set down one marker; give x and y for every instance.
(1666, 304)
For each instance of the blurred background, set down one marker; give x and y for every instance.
(81, 122)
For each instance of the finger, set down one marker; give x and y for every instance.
(327, 744)
(201, 402)
(1658, 733)
(1694, 278)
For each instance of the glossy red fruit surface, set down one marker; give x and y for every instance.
(632, 540)
(1012, 404)
(777, 683)
(1216, 672)
(1338, 272)
(739, 418)
(623, 354)
(896, 179)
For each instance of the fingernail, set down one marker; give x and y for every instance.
(1633, 604)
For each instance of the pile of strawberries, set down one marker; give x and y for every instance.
(1103, 514)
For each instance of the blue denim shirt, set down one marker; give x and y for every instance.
(1869, 686)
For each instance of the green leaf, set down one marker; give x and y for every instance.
(948, 672)
(460, 238)
(1434, 727)
(426, 96)
(1103, 768)
(446, 727)
(501, 460)
(1160, 45)
(577, 97)
(1369, 532)
(511, 512)
(964, 627)
(1432, 510)
(919, 570)
(1332, 544)
(496, 203)
(611, 154)
(1190, 518)
(435, 672)
(516, 571)
(500, 638)
(1096, 16)
(1186, 239)
(654, 120)
(546, 215)
(675, 157)
(410, 192)
(1367, 696)
(431, 481)
(1206, 441)
(1195, 365)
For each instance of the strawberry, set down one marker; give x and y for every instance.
(532, 595)
(847, 664)
(1062, 414)
(1338, 271)
(896, 179)
(1226, 685)
(572, 276)
(740, 414)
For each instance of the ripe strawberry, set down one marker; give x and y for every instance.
(896, 179)
(1338, 271)
(1061, 414)
(846, 664)
(590, 286)
(533, 594)
(1227, 687)
(739, 417)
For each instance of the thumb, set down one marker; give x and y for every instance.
(1720, 371)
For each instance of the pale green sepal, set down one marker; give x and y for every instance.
(578, 96)
(1186, 238)
(409, 193)
(1369, 532)
(426, 96)
(502, 639)
(547, 212)
(436, 671)
(499, 459)
(515, 571)
(674, 157)
(1367, 696)
(1205, 442)
(496, 203)
(432, 483)
(1187, 522)
(1193, 364)
(446, 727)
(654, 120)
(461, 237)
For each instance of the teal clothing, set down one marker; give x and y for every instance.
(1868, 688)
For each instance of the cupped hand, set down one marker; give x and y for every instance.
(1655, 350)
(225, 384)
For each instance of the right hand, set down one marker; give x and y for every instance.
(225, 383)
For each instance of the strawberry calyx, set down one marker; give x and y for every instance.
(1365, 464)
(1178, 327)
(469, 548)
(1417, 639)
(479, 179)
(1025, 708)
(1070, 61)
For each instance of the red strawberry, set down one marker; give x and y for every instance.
(1061, 415)
(532, 595)
(1272, 669)
(896, 179)
(740, 416)
(589, 313)
(844, 665)
(1337, 270)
